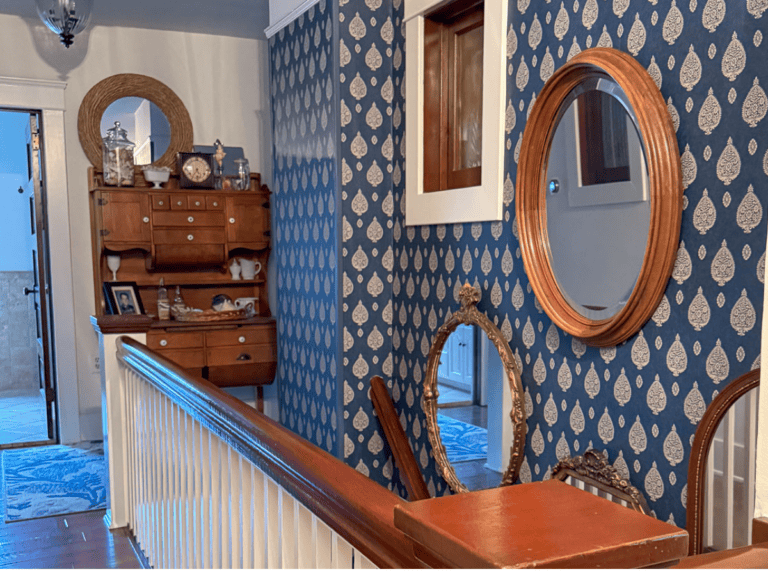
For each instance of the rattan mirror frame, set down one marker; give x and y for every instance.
(665, 190)
(469, 314)
(119, 86)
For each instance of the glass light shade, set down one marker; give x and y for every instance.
(65, 17)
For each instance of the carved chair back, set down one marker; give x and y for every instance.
(599, 477)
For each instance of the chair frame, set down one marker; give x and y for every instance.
(702, 442)
(593, 469)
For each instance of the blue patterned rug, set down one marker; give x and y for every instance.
(53, 480)
(463, 442)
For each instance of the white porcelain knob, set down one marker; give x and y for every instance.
(241, 339)
(215, 204)
(160, 202)
(145, 219)
(190, 219)
(231, 220)
(178, 203)
(163, 342)
(190, 237)
(197, 203)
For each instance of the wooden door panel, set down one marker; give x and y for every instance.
(247, 219)
(125, 217)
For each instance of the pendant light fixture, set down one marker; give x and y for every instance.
(65, 17)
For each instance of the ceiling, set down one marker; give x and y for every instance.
(238, 18)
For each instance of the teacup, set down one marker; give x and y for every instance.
(249, 268)
(246, 303)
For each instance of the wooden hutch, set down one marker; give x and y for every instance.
(188, 238)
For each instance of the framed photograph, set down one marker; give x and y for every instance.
(122, 298)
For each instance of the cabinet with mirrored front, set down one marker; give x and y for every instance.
(210, 248)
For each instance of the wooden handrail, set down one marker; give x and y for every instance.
(357, 508)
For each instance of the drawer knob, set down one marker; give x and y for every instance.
(190, 237)
(163, 342)
(231, 220)
(197, 203)
(178, 203)
(243, 357)
(215, 204)
(241, 339)
(145, 219)
(191, 219)
(160, 203)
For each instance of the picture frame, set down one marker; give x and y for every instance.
(122, 298)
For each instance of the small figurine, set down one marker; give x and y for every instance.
(234, 269)
(163, 305)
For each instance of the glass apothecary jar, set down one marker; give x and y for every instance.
(118, 157)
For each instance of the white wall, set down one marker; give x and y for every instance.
(222, 81)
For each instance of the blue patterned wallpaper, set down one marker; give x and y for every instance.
(639, 401)
(371, 113)
(305, 211)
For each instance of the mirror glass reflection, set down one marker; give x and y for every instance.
(597, 198)
(474, 430)
(145, 123)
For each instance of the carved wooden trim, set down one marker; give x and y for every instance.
(359, 509)
(665, 184)
(594, 469)
(119, 86)
(468, 314)
(702, 442)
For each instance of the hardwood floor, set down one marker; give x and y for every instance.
(71, 541)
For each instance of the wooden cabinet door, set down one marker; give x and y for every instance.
(247, 219)
(125, 218)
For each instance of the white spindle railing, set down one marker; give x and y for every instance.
(205, 489)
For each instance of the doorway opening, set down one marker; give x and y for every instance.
(28, 410)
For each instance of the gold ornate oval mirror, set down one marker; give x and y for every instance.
(488, 452)
(122, 86)
(599, 197)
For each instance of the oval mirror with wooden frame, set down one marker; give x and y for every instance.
(626, 211)
(111, 89)
(505, 433)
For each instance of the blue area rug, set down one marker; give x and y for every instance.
(463, 442)
(53, 480)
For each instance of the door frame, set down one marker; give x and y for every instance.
(48, 97)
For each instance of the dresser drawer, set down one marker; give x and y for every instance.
(187, 218)
(250, 335)
(164, 340)
(160, 202)
(243, 354)
(195, 202)
(194, 358)
(214, 203)
(191, 254)
(190, 236)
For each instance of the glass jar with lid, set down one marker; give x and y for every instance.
(118, 157)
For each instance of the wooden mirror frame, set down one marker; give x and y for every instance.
(468, 314)
(665, 191)
(119, 86)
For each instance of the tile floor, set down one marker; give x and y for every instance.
(22, 419)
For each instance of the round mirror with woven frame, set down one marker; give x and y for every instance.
(468, 314)
(119, 86)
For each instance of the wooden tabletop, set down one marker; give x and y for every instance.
(536, 525)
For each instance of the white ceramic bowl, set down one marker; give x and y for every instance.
(157, 175)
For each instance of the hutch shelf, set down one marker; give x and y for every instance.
(188, 238)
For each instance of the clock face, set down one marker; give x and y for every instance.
(196, 169)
